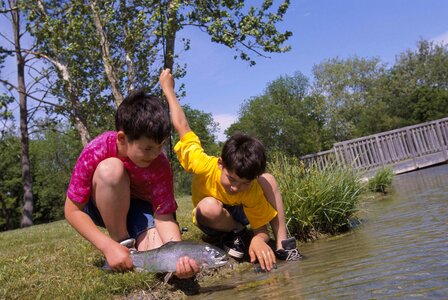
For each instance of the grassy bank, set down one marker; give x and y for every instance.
(52, 261)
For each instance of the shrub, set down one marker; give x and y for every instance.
(316, 201)
(381, 181)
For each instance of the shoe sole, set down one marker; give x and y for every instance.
(233, 253)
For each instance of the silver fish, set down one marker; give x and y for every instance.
(164, 258)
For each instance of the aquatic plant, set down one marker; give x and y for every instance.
(381, 181)
(316, 201)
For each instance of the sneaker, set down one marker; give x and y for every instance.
(130, 244)
(233, 244)
(289, 251)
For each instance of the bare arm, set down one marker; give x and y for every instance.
(178, 117)
(117, 255)
(260, 250)
(274, 197)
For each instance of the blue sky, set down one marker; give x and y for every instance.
(322, 29)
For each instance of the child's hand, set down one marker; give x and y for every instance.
(166, 81)
(186, 267)
(118, 257)
(259, 250)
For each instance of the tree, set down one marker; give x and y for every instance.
(11, 189)
(285, 117)
(21, 89)
(349, 89)
(54, 153)
(418, 85)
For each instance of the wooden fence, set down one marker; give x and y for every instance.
(405, 149)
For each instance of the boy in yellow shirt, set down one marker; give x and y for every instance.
(232, 191)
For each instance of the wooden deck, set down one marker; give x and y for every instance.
(405, 149)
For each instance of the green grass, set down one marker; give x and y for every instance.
(381, 181)
(52, 261)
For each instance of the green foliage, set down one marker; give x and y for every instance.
(418, 85)
(316, 201)
(348, 87)
(381, 181)
(11, 191)
(285, 118)
(247, 30)
(53, 156)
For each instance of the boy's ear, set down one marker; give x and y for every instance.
(220, 166)
(121, 138)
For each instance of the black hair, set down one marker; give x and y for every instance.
(143, 115)
(244, 155)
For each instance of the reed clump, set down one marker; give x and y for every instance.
(381, 181)
(316, 201)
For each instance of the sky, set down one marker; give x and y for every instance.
(322, 29)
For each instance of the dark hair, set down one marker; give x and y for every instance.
(142, 115)
(244, 155)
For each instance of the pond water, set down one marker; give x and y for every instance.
(399, 252)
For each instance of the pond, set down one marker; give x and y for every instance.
(400, 251)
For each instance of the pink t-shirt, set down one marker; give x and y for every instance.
(153, 183)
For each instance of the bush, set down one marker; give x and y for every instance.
(381, 181)
(316, 201)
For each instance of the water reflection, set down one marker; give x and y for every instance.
(399, 253)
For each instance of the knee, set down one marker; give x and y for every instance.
(111, 172)
(209, 208)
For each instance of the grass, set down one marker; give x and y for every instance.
(317, 202)
(52, 261)
(381, 181)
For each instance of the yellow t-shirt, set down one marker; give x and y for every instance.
(207, 182)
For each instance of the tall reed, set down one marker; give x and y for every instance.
(381, 181)
(316, 201)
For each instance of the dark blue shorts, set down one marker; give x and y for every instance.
(139, 219)
(237, 214)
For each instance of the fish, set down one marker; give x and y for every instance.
(164, 258)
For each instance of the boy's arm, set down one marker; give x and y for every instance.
(274, 197)
(178, 117)
(260, 250)
(117, 255)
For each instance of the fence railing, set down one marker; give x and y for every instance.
(404, 149)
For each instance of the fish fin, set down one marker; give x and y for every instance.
(167, 277)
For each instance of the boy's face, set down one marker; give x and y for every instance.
(142, 151)
(231, 182)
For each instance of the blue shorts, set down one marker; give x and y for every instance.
(237, 214)
(139, 219)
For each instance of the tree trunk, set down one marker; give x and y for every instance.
(27, 212)
(107, 59)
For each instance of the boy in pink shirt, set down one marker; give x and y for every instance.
(122, 181)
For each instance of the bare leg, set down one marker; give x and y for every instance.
(111, 193)
(150, 239)
(211, 213)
